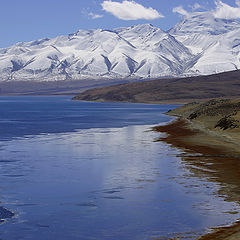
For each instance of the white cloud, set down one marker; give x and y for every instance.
(225, 11)
(196, 6)
(180, 10)
(94, 16)
(130, 10)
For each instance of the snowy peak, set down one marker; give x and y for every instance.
(199, 44)
(138, 51)
(140, 29)
(204, 23)
(214, 40)
(140, 33)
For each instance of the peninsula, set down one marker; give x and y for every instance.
(174, 90)
(211, 129)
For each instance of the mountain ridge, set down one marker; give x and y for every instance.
(137, 52)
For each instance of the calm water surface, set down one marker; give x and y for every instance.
(77, 170)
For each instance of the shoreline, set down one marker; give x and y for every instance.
(191, 136)
(194, 138)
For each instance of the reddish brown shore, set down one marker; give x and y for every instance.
(218, 151)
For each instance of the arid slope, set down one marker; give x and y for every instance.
(218, 118)
(181, 90)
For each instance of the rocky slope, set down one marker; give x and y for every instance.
(213, 124)
(198, 45)
(217, 114)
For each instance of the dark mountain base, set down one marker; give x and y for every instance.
(180, 90)
(66, 87)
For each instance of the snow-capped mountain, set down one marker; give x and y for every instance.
(216, 41)
(199, 44)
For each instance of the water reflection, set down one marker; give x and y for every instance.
(223, 170)
(24, 116)
(213, 170)
(111, 183)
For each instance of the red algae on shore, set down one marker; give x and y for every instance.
(218, 161)
(180, 135)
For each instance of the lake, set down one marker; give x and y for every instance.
(81, 170)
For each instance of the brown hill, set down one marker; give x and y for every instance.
(179, 90)
(215, 114)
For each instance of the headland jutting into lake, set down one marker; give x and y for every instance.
(211, 129)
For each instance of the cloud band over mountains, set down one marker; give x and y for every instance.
(130, 10)
(222, 10)
(226, 11)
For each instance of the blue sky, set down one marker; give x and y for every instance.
(28, 20)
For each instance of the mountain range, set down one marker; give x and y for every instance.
(199, 45)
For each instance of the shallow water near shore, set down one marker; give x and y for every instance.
(79, 170)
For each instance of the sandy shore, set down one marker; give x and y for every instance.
(220, 162)
(224, 233)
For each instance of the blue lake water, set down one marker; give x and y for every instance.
(79, 170)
